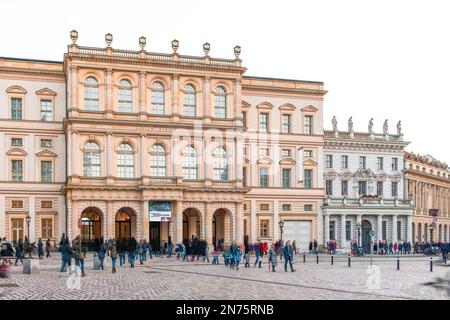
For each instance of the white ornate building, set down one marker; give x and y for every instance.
(363, 175)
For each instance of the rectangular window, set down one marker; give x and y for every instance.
(264, 207)
(362, 188)
(394, 164)
(362, 162)
(399, 231)
(46, 204)
(384, 230)
(308, 125)
(264, 122)
(46, 171)
(46, 110)
(264, 152)
(17, 229)
(344, 188)
(329, 161)
(380, 188)
(344, 162)
(394, 189)
(46, 143)
(348, 230)
(308, 207)
(286, 124)
(380, 163)
(264, 177)
(16, 170)
(308, 179)
(329, 187)
(286, 152)
(16, 142)
(16, 204)
(46, 228)
(308, 154)
(244, 119)
(16, 108)
(244, 176)
(332, 230)
(286, 207)
(286, 178)
(264, 228)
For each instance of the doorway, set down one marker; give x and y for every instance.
(366, 227)
(155, 235)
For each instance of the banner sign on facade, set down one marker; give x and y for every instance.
(160, 211)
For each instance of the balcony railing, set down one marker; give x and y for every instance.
(368, 202)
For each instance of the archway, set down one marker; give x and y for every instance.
(124, 223)
(221, 228)
(419, 232)
(191, 224)
(91, 226)
(366, 227)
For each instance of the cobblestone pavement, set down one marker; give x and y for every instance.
(162, 278)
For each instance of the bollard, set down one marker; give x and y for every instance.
(370, 261)
(431, 264)
(317, 258)
(398, 262)
(304, 257)
(332, 262)
(349, 263)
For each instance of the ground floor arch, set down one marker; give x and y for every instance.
(191, 224)
(222, 228)
(91, 226)
(125, 223)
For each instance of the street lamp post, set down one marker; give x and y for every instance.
(358, 226)
(281, 224)
(28, 220)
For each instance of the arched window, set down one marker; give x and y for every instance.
(91, 94)
(91, 160)
(157, 98)
(221, 103)
(125, 163)
(158, 161)
(189, 163)
(220, 164)
(190, 104)
(125, 96)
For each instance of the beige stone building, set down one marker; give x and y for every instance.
(32, 141)
(427, 181)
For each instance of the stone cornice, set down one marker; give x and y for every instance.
(32, 71)
(247, 87)
(350, 144)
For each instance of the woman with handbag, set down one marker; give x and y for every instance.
(79, 255)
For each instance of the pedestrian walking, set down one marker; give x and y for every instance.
(287, 253)
(132, 246)
(48, 247)
(79, 255)
(66, 256)
(101, 253)
(19, 251)
(40, 248)
(113, 255)
(273, 257)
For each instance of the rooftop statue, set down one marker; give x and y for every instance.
(350, 125)
(371, 125)
(334, 123)
(385, 127)
(399, 128)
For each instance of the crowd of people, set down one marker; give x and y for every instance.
(129, 250)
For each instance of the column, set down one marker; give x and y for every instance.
(142, 151)
(358, 221)
(75, 216)
(69, 231)
(31, 170)
(253, 220)
(32, 212)
(175, 95)
(394, 228)
(236, 102)
(409, 219)
(142, 94)
(206, 99)
(146, 220)
(208, 224)
(276, 219)
(179, 221)
(69, 155)
(379, 227)
(109, 153)
(239, 238)
(75, 152)
(110, 221)
(109, 87)
(343, 233)
(239, 159)
(327, 228)
(2, 215)
(276, 166)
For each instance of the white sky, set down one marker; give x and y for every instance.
(380, 59)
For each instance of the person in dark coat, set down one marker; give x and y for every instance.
(101, 253)
(310, 248)
(288, 253)
(40, 249)
(19, 251)
(66, 256)
(121, 251)
(132, 246)
(48, 246)
(273, 257)
(315, 246)
(257, 253)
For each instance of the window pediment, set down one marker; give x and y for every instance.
(364, 174)
(46, 92)
(310, 163)
(46, 153)
(264, 161)
(309, 108)
(346, 175)
(287, 106)
(245, 104)
(380, 177)
(330, 175)
(16, 152)
(16, 89)
(265, 106)
(287, 161)
(395, 177)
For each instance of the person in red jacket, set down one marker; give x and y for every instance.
(395, 247)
